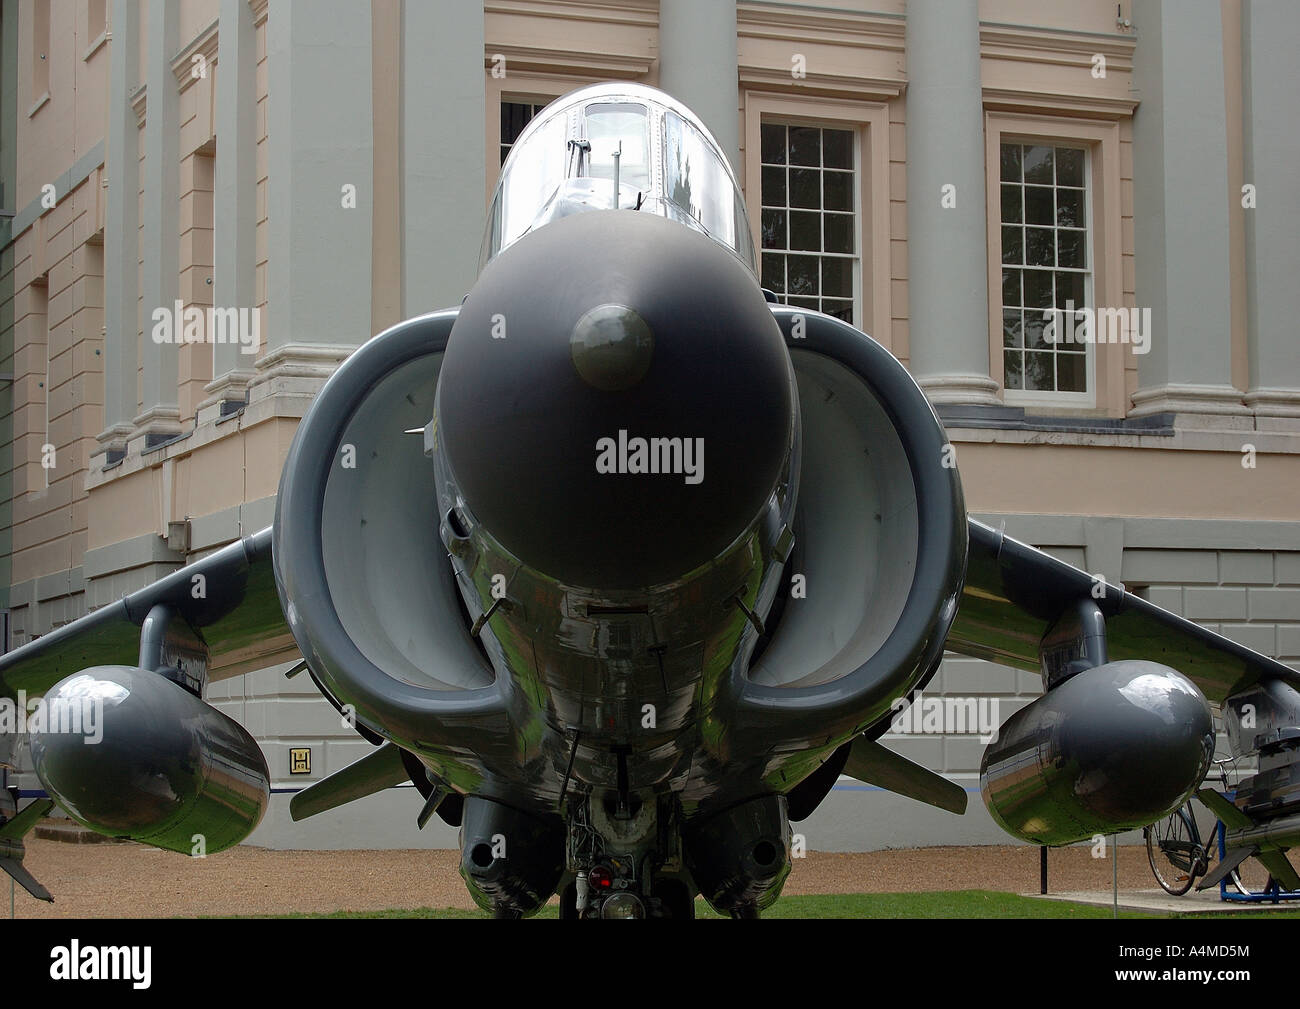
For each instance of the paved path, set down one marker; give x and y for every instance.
(131, 880)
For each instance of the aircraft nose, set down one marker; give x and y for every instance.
(616, 402)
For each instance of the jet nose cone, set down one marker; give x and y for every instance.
(616, 403)
(611, 347)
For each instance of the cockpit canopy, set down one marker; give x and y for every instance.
(629, 138)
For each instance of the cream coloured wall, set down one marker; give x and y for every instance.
(1035, 70)
(1208, 536)
(1036, 81)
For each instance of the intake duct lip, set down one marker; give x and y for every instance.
(412, 714)
(839, 707)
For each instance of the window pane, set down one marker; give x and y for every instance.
(805, 230)
(1069, 167)
(1038, 289)
(1038, 205)
(805, 188)
(697, 182)
(773, 225)
(811, 303)
(1070, 248)
(1034, 326)
(1014, 369)
(773, 143)
(1013, 248)
(838, 187)
(1011, 205)
(1071, 372)
(805, 145)
(837, 148)
(839, 233)
(774, 272)
(1038, 165)
(532, 180)
(1039, 371)
(839, 309)
(1012, 333)
(1038, 246)
(773, 187)
(1069, 287)
(801, 274)
(1011, 287)
(610, 124)
(1069, 208)
(514, 117)
(837, 277)
(1010, 162)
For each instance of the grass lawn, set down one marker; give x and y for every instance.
(949, 904)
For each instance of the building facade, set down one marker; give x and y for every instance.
(1075, 227)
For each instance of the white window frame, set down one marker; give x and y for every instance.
(857, 257)
(1042, 397)
(871, 122)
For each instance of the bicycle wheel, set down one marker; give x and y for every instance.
(1172, 850)
(1251, 877)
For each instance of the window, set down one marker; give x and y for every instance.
(1046, 270)
(621, 128)
(809, 222)
(514, 117)
(696, 182)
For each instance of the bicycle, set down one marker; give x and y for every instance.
(1175, 849)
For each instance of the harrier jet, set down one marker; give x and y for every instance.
(623, 564)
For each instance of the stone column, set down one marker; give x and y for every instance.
(121, 236)
(443, 126)
(697, 65)
(1272, 95)
(235, 198)
(320, 182)
(160, 420)
(1180, 211)
(947, 247)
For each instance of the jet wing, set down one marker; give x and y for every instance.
(228, 599)
(1014, 593)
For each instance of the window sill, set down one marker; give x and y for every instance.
(1014, 418)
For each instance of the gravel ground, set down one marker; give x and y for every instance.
(131, 880)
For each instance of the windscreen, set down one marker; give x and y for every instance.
(622, 129)
(568, 159)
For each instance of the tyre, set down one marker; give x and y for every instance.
(1173, 851)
